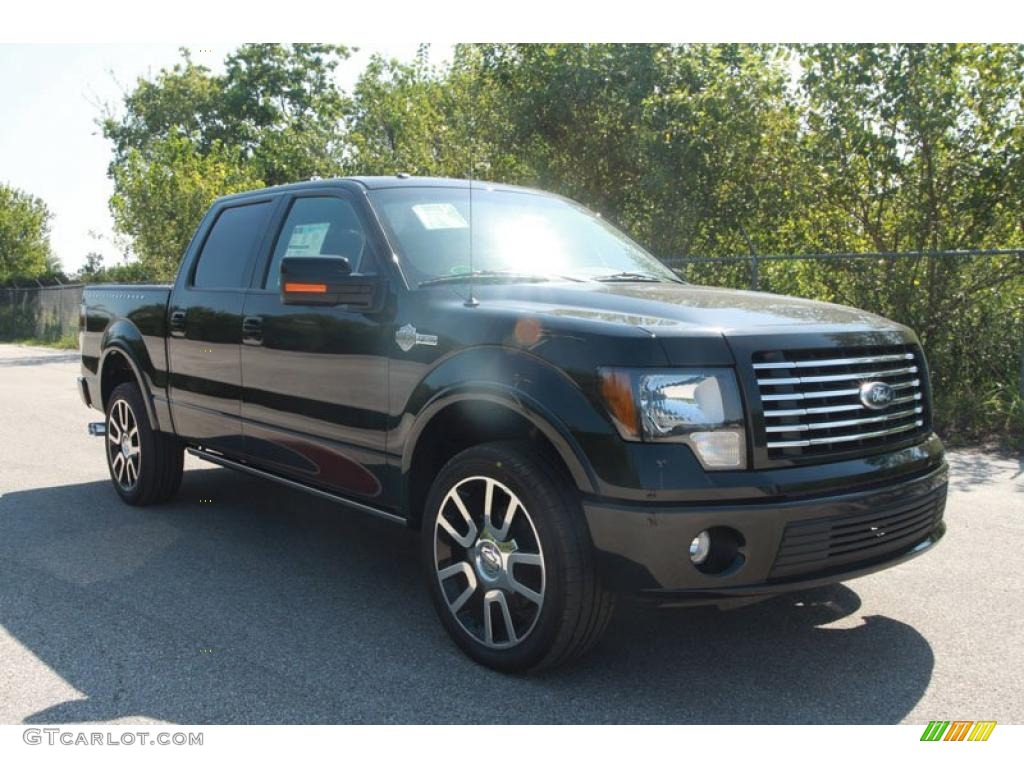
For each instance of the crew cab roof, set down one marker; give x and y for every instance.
(380, 182)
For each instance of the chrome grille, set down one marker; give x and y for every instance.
(812, 405)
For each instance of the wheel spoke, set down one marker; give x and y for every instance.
(133, 438)
(488, 627)
(493, 597)
(525, 591)
(113, 431)
(463, 539)
(455, 569)
(488, 503)
(506, 521)
(451, 571)
(118, 465)
(510, 628)
(130, 471)
(525, 558)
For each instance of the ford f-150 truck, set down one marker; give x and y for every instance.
(559, 414)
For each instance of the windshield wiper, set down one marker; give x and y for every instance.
(627, 277)
(499, 274)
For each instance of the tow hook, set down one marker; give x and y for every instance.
(97, 428)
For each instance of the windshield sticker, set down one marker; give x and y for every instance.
(439, 216)
(307, 239)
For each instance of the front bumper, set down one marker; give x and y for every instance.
(784, 545)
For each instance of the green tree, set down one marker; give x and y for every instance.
(689, 147)
(415, 118)
(161, 195)
(277, 107)
(24, 236)
(398, 121)
(95, 271)
(917, 147)
(283, 108)
(187, 136)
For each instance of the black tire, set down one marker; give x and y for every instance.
(159, 460)
(574, 609)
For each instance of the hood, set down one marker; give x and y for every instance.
(676, 309)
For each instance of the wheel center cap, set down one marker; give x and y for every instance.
(488, 559)
(126, 445)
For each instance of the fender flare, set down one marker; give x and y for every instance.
(124, 346)
(518, 402)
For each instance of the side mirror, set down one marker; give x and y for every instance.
(325, 281)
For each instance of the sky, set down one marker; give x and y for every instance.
(51, 147)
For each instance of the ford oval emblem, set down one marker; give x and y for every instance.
(876, 395)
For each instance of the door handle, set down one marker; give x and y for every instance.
(178, 322)
(252, 330)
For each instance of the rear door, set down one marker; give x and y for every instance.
(315, 377)
(205, 323)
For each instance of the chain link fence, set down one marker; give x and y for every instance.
(43, 313)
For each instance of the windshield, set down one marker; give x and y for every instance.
(516, 235)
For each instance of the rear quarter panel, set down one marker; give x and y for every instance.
(131, 319)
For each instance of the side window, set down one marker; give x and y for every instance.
(231, 246)
(321, 226)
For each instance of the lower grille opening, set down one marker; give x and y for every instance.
(827, 543)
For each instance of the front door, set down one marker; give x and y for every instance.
(315, 378)
(205, 328)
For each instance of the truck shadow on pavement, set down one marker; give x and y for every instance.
(243, 602)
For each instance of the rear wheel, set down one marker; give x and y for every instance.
(509, 560)
(145, 465)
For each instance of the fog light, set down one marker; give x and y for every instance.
(700, 547)
(719, 449)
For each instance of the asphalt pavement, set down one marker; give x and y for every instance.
(245, 602)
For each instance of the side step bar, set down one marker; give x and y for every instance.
(97, 428)
(215, 458)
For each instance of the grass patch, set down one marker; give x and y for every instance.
(67, 341)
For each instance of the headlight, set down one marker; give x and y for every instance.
(697, 406)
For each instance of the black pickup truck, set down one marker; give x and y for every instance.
(558, 413)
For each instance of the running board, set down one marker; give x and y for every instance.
(215, 458)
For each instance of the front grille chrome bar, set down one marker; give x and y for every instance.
(778, 414)
(829, 393)
(845, 438)
(856, 376)
(845, 423)
(835, 361)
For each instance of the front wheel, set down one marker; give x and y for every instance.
(509, 560)
(145, 465)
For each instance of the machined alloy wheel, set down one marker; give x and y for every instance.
(145, 464)
(489, 562)
(508, 558)
(123, 445)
